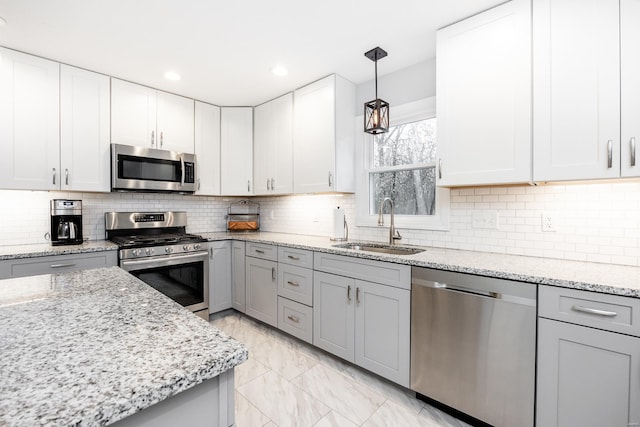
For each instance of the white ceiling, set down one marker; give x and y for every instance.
(225, 50)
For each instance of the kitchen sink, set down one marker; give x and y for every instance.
(380, 248)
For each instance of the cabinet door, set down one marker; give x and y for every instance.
(236, 151)
(334, 314)
(84, 130)
(273, 146)
(29, 122)
(238, 275)
(219, 276)
(175, 127)
(133, 114)
(262, 290)
(484, 82)
(207, 148)
(586, 377)
(576, 84)
(630, 87)
(382, 330)
(314, 137)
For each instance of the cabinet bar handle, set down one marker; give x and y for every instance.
(293, 318)
(54, 176)
(293, 283)
(273, 184)
(357, 295)
(259, 251)
(198, 183)
(594, 311)
(153, 138)
(248, 186)
(295, 258)
(632, 142)
(330, 179)
(268, 182)
(439, 168)
(211, 253)
(161, 139)
(609, 154)
(66, 177)
(62, 265)
(273, 273)
(349, 293)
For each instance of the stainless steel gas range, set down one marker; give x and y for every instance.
(155, 247)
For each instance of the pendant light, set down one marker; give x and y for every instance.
(376, 112)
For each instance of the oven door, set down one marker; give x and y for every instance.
(183, 278)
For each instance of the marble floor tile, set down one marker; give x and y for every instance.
(322, 356)
(341, 393)
(386, 388)
(442, 418)
(333, 419)
(283, 359)
(282, 402)
(248, 415)
(392, 414)
(249, 370)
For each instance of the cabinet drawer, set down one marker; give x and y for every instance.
(295, 319)
(609, 312)
(56, 264)
(299, 257)
(386, 273)
(259, 250)
(295, 283)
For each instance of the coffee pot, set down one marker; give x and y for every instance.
(66, 222)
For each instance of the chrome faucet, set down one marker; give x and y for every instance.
(393, 233)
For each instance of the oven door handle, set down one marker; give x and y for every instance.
(140, 264)
(182, 171)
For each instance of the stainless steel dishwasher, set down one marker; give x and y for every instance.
(473, 345)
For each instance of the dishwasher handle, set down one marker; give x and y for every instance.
(490, 294)
(475, 292)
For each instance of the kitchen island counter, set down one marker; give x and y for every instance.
(605, 278)
(95, 346)
(46, 249)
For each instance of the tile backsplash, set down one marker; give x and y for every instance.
(597, 222)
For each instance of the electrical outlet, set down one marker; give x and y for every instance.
(485, 219)
(548, 221)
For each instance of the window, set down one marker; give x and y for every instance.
(401, 165)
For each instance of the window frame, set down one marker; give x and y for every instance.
(405, 113)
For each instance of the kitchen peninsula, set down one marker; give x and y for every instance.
(97, 347)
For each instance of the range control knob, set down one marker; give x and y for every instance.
(135, 252)
(168, 249)
(186, 247)
(149, 251)
(197, 246)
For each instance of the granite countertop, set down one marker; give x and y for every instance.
(604, 278)
(46, 249)
(94, 346)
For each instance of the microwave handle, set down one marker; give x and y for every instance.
(182, 171)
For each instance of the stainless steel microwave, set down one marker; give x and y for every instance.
(148, 169)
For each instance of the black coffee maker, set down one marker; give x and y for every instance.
(66, 222)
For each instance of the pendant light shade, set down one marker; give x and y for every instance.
(376, 112)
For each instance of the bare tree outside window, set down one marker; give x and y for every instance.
(403, 168)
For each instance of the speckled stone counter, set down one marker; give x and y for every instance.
(604, 278)
(45, 249)
(95, 346)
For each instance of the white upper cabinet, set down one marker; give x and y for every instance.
(630, 87)
(145, 117)
(576, 95)
(484, 97)
(273, 146)
(29, 122)
(323, 136)
(84, 130)
(207, 149)
(236, 151)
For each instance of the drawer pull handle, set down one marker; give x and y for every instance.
(295, 258)
(357, 296)
(349, 294)
(293, 318)
(273, 273)
(594, 311)
(293, 283)
(259, 251)
(62, 265)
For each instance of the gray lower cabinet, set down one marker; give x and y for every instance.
(363, 322)
(237, 276)
(56, 264)
(261, 278)
(220, 290)
(587, 376)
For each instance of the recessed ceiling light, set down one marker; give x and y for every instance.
(172, 75)
(280, 71)
(3, 22)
